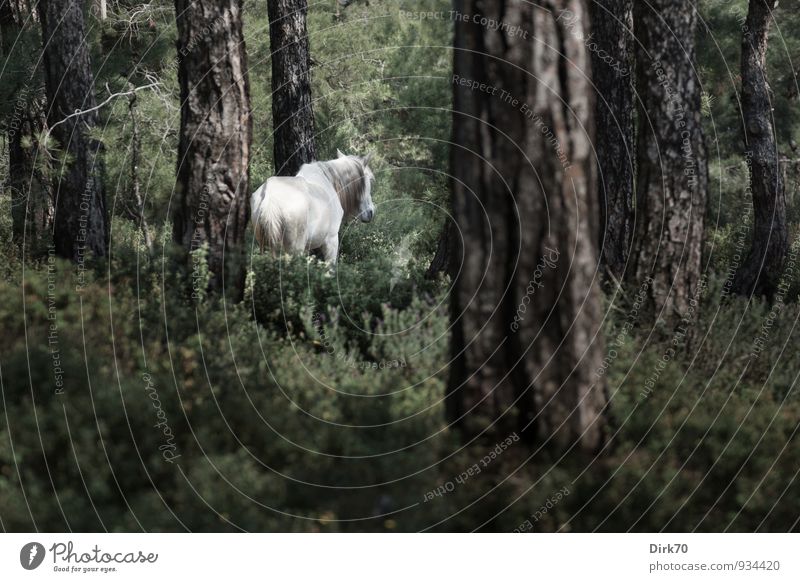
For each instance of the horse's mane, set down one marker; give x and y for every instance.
(348, 179)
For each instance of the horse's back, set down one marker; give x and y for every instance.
(296, 213)
(287, 193)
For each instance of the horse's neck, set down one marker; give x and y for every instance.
(314, 173)
(328, 173)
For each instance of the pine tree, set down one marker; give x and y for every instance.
(212, 206)
(526, 306)
(672, 177)
(292, 111)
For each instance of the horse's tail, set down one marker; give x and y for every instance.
(275, 228)
(269, 225)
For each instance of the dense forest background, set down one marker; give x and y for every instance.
(314, 400)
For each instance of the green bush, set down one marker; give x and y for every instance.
(316, 403)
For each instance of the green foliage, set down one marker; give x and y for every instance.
(274, 428)
(316, 403)
(375, 272)
(232, 398)
(719, 55)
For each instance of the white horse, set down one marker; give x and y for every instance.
(303, 213)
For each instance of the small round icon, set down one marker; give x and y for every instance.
(31, 555)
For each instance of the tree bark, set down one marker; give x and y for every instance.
(671, 160)
(101, 9)
(612, 66)
(292, 110)
(81, 220)
(216, 130)
(526, 308)
(761, 271)
(139, 214)
(443, 258)
(31, 200)
(8, 23)
(32, 208)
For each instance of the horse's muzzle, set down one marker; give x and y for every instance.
(367, 215)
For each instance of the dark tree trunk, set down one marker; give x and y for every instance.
(526, 308)
(761, 271)
(100, 8)
(81, 220)
(139, 214)
(32, 204)
(443, 259)
(8, 24)
(216, 130)
(612, 68)
(292, 110)
(671, 159)
(12, 16)
(32, 208)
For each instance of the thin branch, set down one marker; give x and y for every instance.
(96, 107)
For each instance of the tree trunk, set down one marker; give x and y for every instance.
(32, 203)
(526, 308)
(292, 110)
(612, 64)
(12, 16)
(81, 220)
(761, 271)
(139, 214)
(216, 130)
(8, 23)
(671, 160)
(101, 9)
(32, 208)
(443, 258)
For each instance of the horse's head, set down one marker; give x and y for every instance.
(366, 209)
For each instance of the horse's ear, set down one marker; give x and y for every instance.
(340, 154)
(368, 158)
